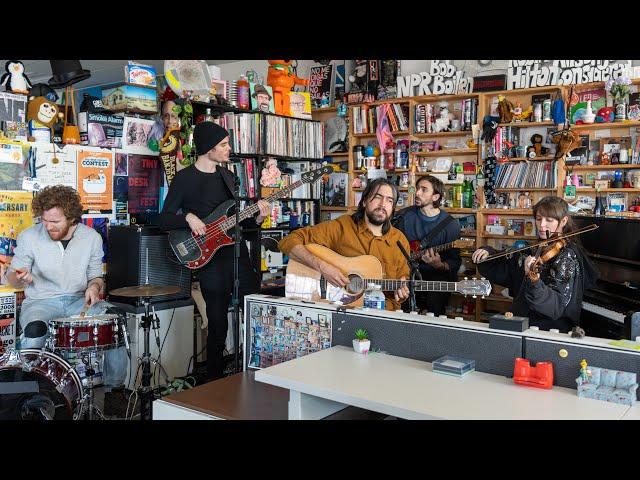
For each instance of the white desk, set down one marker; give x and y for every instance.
(633, 413)
(327, 381)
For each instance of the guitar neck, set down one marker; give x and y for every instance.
(253, 209)
(390, 285)
(437, 249)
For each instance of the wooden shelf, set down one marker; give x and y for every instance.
(506, 211)
(451, 151)
(324, 110)
(526, 189)
(608, 190)
(527, 124)
(439, 98)
(507, 237)
(498, 298)
(471, 233)
(336, 154)
(364, 135)
(333, 209)
(525, 91)
(523, 159)
(443, 134)
(607, 125)
(580, 168)
(459, 210)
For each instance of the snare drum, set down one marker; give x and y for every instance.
(93, 332)
(38, 385)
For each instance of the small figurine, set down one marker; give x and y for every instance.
(585, 373)
(505, 109)
(324, 101)
(605, 115)
(519, 115)
(536, 150)
(15, 80)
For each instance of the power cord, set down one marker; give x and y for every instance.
(161, 347)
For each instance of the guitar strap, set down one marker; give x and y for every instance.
(426, 241)
(227, 177)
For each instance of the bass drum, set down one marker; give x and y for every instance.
(38, 385)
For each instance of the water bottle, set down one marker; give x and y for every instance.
(374, 298)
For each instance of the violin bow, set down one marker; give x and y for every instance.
(588, 228)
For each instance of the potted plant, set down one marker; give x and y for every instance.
(619, 89)
(361, 343)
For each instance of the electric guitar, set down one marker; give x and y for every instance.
(417, 252)
(195, 251)
(308, 284)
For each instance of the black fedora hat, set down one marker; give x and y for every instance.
(67, 72)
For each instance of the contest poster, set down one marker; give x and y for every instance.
(144, 184)
(55, 166)
(95, 181)
(282, 333)
(7, 321)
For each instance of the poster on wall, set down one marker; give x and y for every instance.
(144, 184)
(135, 135)
(169, 153)
(15, 216)
(121, 194)
(55, 166)
(95, 182)
(282, 333)
(321, 85)
(13, 167)
(100, 225)
(7, 321)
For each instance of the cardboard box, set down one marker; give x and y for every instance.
(100, 129)
(131, 98)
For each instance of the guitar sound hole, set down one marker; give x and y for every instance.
(356, 284)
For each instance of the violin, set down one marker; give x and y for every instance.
(545, 254)
(543, 243)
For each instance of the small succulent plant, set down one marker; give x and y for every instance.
(362, 334)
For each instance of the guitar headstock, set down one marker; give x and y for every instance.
(475, 286)
(313, 175)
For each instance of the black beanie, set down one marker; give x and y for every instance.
(207, 135)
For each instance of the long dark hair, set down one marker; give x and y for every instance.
(555, 207)
(369, 193)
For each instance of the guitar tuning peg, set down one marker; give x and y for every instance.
(482, 278)
(474, 296)
(466, 278)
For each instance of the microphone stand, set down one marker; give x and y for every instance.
(415, 275)
(236, 279)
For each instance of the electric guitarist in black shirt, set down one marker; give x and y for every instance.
(193, 194)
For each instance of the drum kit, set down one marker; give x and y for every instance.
(41, 384)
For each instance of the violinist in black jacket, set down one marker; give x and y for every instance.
(554, 299)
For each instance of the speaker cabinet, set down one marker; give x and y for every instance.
(142, 254)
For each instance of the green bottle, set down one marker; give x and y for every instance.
(467, 194)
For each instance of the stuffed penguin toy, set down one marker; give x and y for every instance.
(14, 80)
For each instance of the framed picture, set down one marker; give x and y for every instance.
(135, 135)
(261, 97)
(219, 87)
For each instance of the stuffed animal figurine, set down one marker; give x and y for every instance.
(42, 111)
(14, 80)
(519, 115)
(536, 150)
(605, 115)
(505, 109)
(566, 140)
(282, 79)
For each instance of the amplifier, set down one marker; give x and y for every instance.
(142, 254)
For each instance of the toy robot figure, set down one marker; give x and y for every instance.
(282, 79)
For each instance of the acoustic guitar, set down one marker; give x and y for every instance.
(308, 284)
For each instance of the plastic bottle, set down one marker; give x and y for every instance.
(242, 86)
(374, 298)
(207, 116)
(389, 154)
(467, 194)
(457, 196)
(480, 177)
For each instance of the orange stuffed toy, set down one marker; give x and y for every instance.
(282, 79)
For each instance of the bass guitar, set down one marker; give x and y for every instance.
(417, 252)
(308, 284)
(195, 251)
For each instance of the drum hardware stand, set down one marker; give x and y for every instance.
(146, 397)
(89, 396)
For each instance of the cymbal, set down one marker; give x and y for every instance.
(145, 291)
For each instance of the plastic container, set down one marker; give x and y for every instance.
(374, 298)
(242, 87)
(456, 366)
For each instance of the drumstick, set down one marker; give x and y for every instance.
(83, 312)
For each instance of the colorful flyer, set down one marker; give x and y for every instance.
(95, 181)
(7, 321)
(144, 184)
(55, 166)
(15, 216)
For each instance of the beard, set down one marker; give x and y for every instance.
(377, 217)
(59, 234)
